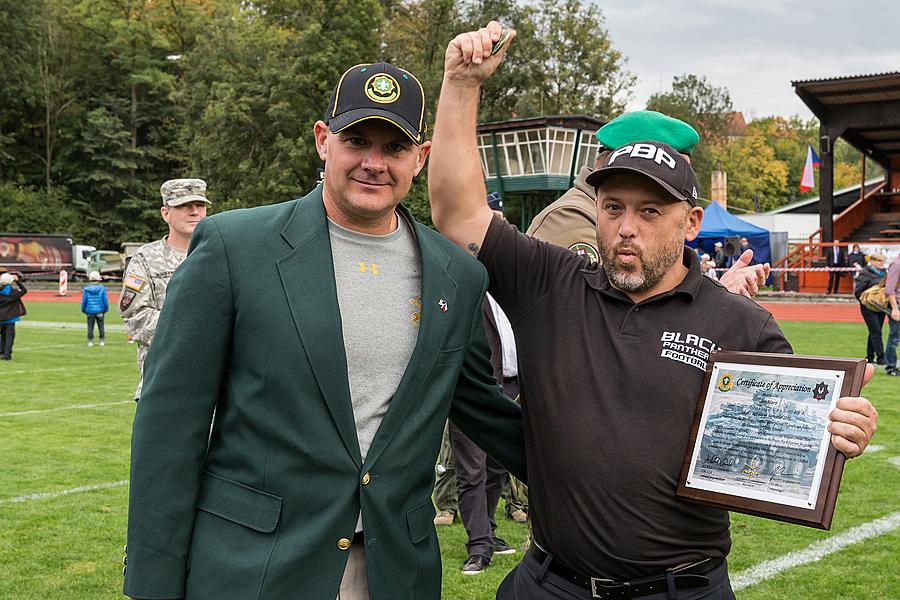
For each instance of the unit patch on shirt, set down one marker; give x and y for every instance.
(689, 348)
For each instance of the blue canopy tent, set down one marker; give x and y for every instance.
(719, 224)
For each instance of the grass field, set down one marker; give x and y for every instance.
(65, 424)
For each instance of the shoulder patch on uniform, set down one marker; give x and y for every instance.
(585, 249)
(126, 300)
(134, 282)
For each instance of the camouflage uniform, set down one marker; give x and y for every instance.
(143, 294)
(571, 221)
(149, 271)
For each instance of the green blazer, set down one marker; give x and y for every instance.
(262, 506)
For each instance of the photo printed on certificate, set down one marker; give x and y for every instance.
(763, 433)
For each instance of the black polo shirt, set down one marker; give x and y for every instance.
(609, 389)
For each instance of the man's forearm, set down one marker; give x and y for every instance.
(455, 177)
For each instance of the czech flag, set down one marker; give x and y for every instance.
(807, 180)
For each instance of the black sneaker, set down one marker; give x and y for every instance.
(892, 372)
(501, 547)
(475, 565)
(879, 361)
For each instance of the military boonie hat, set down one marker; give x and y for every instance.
(647, 125)
(654, 160)
(176, 192)
(378, 91)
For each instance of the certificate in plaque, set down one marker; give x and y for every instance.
(759, 442)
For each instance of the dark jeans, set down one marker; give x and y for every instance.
(532, 581)
(875, 324)
(890, 347)
(90, 323)
(7, 336)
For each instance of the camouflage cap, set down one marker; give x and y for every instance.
(648, 125)
(176, 192)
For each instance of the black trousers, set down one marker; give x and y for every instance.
(480, 484)
(875, 324)
(7, 337)
(531, 580)
(834, 281)
(90, 324)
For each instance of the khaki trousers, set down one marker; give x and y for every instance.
(355, 583)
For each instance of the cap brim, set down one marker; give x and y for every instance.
(600, 175)
(186, 199)
(352, 117)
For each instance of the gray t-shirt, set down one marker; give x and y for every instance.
(378, 280)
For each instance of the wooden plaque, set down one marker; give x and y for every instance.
(759, 443)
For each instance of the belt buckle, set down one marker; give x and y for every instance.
(599, 581)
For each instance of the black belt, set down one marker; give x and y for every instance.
(689, 576)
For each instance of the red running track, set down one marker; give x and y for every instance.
(795, 311)
(73, 296)
(828, 312)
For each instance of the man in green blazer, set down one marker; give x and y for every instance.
(305, 361)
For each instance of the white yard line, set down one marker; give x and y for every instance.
(48, 495)
(55, 369)
(65, 325)
(815, 551)
(59, 408)
(873, 448)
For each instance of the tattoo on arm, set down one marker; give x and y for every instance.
(474, 248)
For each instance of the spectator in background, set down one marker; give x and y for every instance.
(836, 256)
(858, 259)
(890, 287)
(709, 267)
(94, 304)
(184, 204)
(480, 479)
(871, 275)
(11, 310)
(719, 256)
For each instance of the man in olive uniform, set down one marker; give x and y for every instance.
(571, 221)
(148, 272)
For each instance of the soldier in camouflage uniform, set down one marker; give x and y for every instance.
(148, 272)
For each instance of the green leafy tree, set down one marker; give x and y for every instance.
(753, 170)
(706, 107)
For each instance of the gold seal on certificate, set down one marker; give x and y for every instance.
(760, 444)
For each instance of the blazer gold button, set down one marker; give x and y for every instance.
(343, 544)
(366, 478)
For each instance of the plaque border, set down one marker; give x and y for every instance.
(821, 515)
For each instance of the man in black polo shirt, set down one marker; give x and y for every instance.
(611, 360)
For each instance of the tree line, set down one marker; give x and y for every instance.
(103, 100)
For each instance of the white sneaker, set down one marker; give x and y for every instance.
(90, 344)
(102, 343)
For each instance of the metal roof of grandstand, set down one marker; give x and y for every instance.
(865, 107)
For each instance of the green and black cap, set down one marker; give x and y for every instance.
(378, 91)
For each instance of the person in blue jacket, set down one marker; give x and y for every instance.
(94, 304)
(11, 310)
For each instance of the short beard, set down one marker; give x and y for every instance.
(654, 265)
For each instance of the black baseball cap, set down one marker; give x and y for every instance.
(655, 160)
(378, 91)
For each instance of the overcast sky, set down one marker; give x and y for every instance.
(755, 48)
